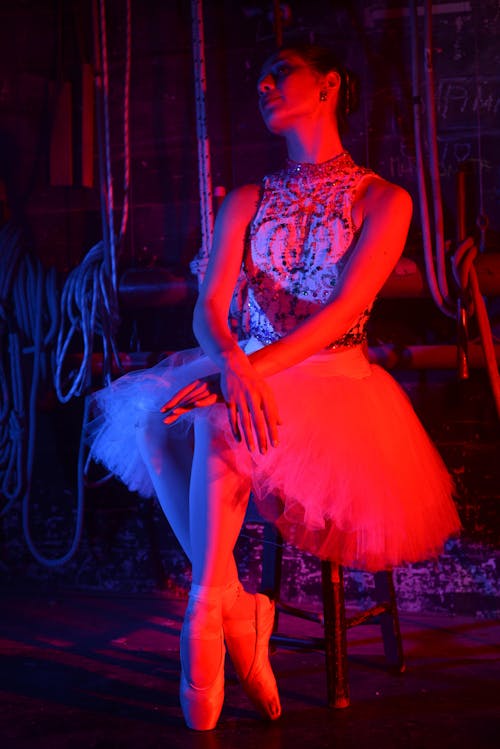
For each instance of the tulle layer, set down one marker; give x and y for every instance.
(125, 406)
(355, 478)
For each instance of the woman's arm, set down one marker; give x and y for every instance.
(384, 212)
(251, 406)
(210, 319)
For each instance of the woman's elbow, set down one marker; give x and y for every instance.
(206, 314)
(198, 317)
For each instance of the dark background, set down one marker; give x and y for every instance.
(126, 544)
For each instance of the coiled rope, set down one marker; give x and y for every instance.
(29, 319)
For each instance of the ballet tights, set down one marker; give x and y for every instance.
(204, 499)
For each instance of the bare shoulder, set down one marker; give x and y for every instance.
(377, 194)
(240, 204)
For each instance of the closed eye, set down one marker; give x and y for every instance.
(282, 70)
(278, 71)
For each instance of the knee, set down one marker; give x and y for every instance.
(155, 437)
(223, 457)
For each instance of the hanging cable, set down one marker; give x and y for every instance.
(89, 301)
(107, 188)
(435, 181)
(126, 124)
(432, 280)
(482, 218)
(88, 307)
(86, 313)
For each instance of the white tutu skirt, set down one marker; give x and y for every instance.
(355, 478)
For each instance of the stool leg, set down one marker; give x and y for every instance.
(335, 635)
(272, 557)
(389, 622)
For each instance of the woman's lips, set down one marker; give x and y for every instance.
(267, 101)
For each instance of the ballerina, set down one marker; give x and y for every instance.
(327, 443)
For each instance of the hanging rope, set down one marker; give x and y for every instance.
(204, 165)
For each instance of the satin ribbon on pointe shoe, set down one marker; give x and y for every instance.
(201, 703)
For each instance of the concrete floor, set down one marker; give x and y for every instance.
(101, 672)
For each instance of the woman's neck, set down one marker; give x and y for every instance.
(313, 145)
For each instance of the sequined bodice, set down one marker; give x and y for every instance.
(299, 243)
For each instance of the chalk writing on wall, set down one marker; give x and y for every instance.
(460, 100)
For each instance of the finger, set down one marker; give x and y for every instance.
(175, 414)
(246, 426)
(179, 396)
(208, 400)
(194, 396)
(259, 424)
(272, 418)
(232, 415)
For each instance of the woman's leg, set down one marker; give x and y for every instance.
(218, 499)
(218, 502)
(220, 488)
(219, 493)
(168, 456)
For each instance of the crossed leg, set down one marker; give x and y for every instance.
(205, 503)
(192, 485)
(204, 494)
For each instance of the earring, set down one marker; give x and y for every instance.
(323, 94)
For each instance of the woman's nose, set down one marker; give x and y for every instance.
(265, 84)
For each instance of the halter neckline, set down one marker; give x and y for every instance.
(310, 169)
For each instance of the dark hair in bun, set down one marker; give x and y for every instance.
(323, 60)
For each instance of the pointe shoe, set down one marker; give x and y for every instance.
(201, 704)
(259, 682)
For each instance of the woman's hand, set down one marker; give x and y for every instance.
(200, 393)
(252, 411)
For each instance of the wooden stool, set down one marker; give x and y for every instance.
(334, 620)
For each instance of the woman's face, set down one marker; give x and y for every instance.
(288, 92)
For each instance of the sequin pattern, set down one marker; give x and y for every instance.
(299, 243)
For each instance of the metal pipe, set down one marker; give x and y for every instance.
(156, 287)
(444, 356)
(389, 356)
